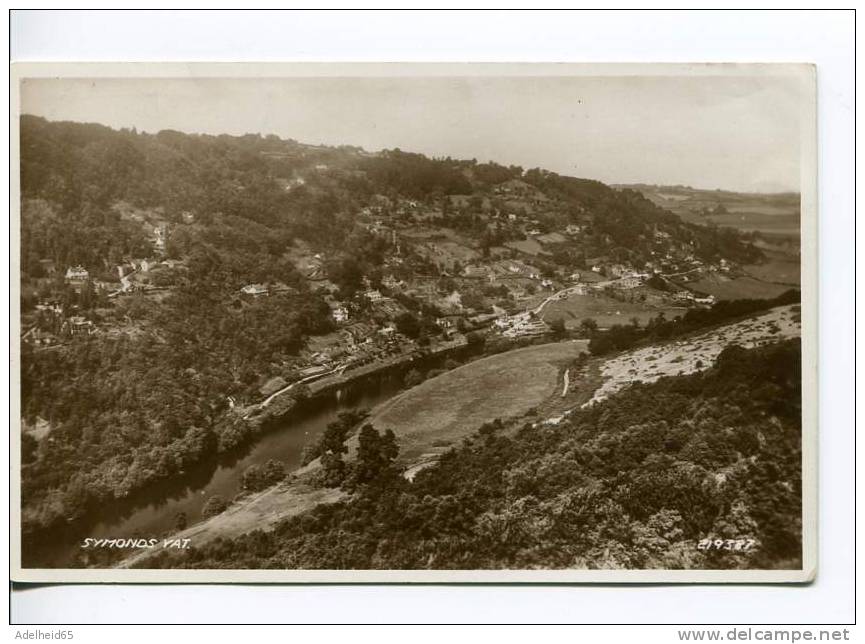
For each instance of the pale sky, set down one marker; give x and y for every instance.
(730, 132)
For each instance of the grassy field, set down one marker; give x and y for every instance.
(783, 270)
(764, 212)
(787, 223)
(528, 246)
(435, 414)
(606, 311)
(739, 288)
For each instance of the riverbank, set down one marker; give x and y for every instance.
(427, 420)
(283, 402)
(290, 425)
(261, 511)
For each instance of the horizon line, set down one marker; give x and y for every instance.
(612, 184)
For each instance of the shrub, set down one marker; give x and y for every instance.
(260, 477)
(412, 378)
(215, 505)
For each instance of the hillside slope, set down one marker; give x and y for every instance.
(644, 479)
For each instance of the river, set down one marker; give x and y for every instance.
(156, 514)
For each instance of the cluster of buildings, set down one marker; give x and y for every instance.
(688, 296)
(521, 325)
(54, 324)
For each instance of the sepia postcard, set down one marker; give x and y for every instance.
(414, 323)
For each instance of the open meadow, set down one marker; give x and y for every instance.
(429, 418)
(606, 311)
(725, 288)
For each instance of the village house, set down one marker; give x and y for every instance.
(143, 265)
(573, 229)
(78, 325)
(281, 287)
(387, 331)
(77, 274)
(392, 283)
(374, 295)
(357, 333)
(160, 236)
(521, 325)
(105, 286)
(50, 306)
(291, 184)
(503, 323)
(600, 286)
(255, 290)
(628, 282)
(617, 270)
(39, 338)
(475, 271)
(314, 370)
(340, 314)
(454, 301)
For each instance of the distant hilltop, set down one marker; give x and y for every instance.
(690, 190)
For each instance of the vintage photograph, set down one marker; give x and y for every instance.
(452, 323)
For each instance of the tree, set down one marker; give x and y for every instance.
(588, 326)
(333, 469)
(333, 439)
(475, 338)
(333, 447)
(214, 505)
(29, 446)
(557, 326)
(180, 521)
(260, 477)
(408, 325)
(413, 378)
(375, 454)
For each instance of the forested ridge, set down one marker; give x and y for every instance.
(637, 481)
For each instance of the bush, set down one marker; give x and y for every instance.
(557, 326)
(215, 505)
(260, 477)
(413, 378)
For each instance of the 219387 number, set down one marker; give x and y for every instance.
(726, 544)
